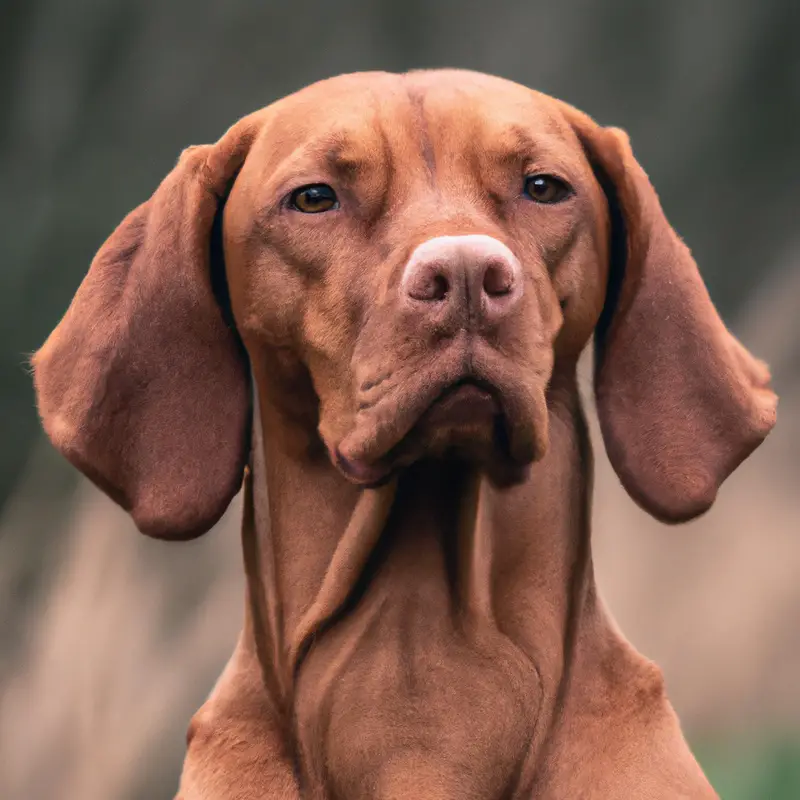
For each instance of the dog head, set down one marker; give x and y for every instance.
(403, 263)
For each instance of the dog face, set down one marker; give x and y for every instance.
(409, 261)
(425, 246)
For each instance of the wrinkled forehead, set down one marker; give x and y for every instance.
(365, 119)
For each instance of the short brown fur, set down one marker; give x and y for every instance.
(436, 634)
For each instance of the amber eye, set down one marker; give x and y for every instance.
(314, 199)
(546, 189)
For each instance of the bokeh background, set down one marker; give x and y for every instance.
(109, 641)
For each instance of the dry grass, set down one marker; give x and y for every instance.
(123, 646)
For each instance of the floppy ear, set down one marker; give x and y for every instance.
(143, 385)
(681, 402)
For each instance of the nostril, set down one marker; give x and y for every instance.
(440, 286)
(498, 278)
(432, 286)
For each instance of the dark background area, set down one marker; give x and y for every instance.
(107, 641)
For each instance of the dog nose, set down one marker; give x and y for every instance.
(474, 276)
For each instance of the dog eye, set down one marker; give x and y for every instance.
(546, 189)
(314, 199)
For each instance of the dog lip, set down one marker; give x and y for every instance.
(468, 399)
(465, 400)
(468, 383)
(369, 475)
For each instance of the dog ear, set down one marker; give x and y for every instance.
(681, 402)
(143, 386)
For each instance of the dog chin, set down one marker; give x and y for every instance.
(465, 424)
(497, 466)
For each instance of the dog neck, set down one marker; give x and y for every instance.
(440, 537)
(453, 624)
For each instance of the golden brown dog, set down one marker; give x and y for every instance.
(374, 294)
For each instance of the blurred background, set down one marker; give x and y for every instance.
(109, 641)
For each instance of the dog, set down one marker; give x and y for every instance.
(363, 307)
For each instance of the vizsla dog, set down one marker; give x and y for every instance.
(365, 303)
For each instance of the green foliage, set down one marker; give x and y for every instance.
(746, 768)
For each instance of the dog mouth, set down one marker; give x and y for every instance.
(466, 416)
(468, 401)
